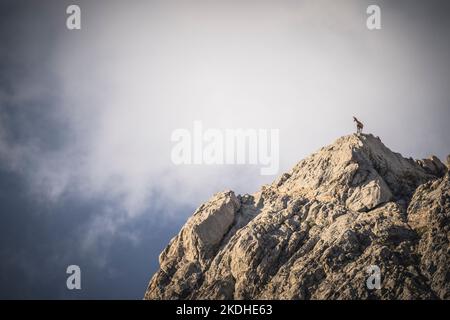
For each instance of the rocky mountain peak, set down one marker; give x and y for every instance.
(359, 171)
(313, 233)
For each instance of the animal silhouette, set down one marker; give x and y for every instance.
(359, 125)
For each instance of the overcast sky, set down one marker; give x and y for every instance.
(86, 116)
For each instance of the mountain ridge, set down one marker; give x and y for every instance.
(315, 230)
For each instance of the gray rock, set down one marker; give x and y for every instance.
(433, 166)
(316, 230)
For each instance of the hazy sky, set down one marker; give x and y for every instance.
(86, 116)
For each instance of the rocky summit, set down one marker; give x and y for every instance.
(318, 231)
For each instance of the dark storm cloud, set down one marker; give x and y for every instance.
(39, 237)
(38, 242)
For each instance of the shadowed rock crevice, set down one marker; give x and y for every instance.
(313, 233)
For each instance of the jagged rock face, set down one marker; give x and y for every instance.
(316, 230)
(433, 166)
(189, 253)
(357, 171)
(429, 216)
